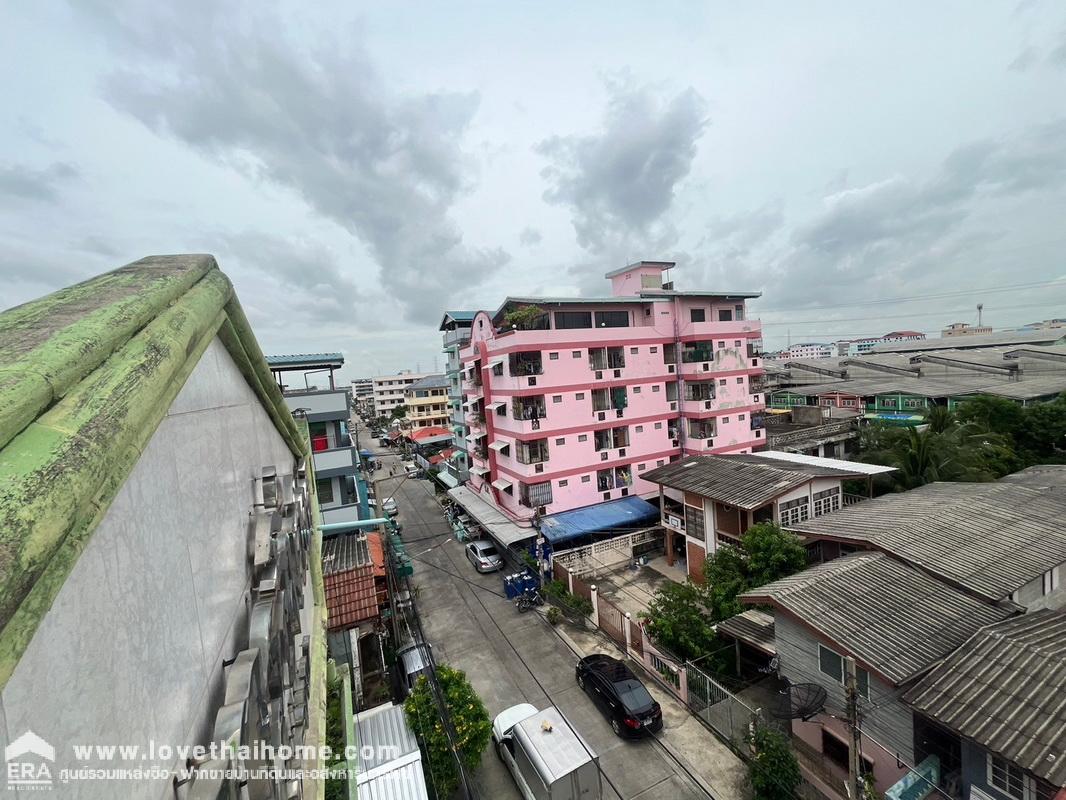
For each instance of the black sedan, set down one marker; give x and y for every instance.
(619, 695)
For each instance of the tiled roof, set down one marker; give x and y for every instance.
(351, 597)
(429, 432)
(741, 480)
(990, 538)
(894, 619)
(1005, 689)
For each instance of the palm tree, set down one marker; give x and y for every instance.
(920, 459)
(940, 419)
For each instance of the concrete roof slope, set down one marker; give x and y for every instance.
(744, 481)
(895, 620)
(429, 382)
(86, 375)
(990, 538)
(1038, 475)
(1005, 689)
(1006, 339)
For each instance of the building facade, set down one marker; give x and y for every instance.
(965, 329)
(426, 401)
(811, 350)
(570, 400)
(455, 327)
(389, 390)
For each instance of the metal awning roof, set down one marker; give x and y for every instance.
(495, 404)
(752, 627)
(474, 436)
(497, 360)
(832, 463)
(502, 484)
(488, 516)
(479, 471)
(499, 445)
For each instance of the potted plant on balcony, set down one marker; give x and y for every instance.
(525, 318)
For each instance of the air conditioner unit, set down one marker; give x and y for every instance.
(706, 367)
(625, 492)
(673, 406)
(707, 404)
(538, 468)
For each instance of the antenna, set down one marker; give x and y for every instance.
(980, 308)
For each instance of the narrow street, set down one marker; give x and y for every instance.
(512, 658)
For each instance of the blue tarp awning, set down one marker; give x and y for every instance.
(628, 512)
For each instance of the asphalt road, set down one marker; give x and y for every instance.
(510, 657)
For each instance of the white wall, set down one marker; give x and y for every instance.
(131, 649)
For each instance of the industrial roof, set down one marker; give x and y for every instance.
(990, 538)
(489, 517)
(86, 375)
(745, 481)
(1006, 339)
(753, 627)
(1005, 689)
(626, 512)
(306, 360)
(345, 551)
(894, 619)
(389, 763)
(1039, 475)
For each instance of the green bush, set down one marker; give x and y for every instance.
(469, 718)
(773, 770)
(555, 616)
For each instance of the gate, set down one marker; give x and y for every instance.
(611, 621)
(636, 637)
(718, 707)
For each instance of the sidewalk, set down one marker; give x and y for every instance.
(721, 771)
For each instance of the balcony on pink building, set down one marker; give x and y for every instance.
(611, 443)
(527, 415)
(699, 397)
(535, 495)
(610, 403)
(701, 434)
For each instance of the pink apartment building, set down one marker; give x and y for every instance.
(572, 412)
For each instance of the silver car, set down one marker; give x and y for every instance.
(484, 556)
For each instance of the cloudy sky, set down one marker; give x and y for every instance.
(358, 168)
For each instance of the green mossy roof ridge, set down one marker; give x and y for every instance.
(60, 470)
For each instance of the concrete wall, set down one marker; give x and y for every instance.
(132, 647)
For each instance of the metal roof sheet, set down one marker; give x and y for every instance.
(429, 382)
(753, 627)
(626, 512)
(305, 360)
(489, 517)
(1005, 689)
(389, 764)
(745, 481)
(1005, 339)
(834, 463)
(555, 748)
(894, 619)
(974, 535)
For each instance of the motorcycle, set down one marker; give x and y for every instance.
(530, 598)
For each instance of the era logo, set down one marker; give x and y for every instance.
(26, 757)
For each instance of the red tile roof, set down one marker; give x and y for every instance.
(377, 553)
(395, 433)
(351, 598)
(419, 434)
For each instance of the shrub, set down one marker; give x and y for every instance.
(774, 771)
(555, 616)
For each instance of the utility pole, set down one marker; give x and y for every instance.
(854, 755)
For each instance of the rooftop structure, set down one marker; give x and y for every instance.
(894, 619)
(306, 363)
(993, 540)
(389, 765)
(426, 401)
(568, 402)
(1004, 689)
(151, 477)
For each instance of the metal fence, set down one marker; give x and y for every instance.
(719, 708)
(612, 621)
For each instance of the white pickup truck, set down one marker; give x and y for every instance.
(547, 758)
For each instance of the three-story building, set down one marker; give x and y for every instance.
(570, 400)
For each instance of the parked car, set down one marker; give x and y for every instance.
(547, 758)
(619, 695)
(390, 508)
(484, 556)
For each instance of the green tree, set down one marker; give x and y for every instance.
(677, 619)
(469, 718)
(766, 554)
(399, 412)
(940, 419)
(525, 318)
(773, 771)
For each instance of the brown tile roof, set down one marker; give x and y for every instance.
(351, 598)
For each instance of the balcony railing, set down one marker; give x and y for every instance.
(694, 355)
(815, 432)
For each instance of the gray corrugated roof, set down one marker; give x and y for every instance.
(968, 342)
(1005, 689)
(753, 627)
(990, 538)
(344, 551)
(1039, 475)
(894, 619)
(746, 481)
(636, 264)
(429, 382)
(392, 768)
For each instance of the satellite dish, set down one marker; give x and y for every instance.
(800, 701)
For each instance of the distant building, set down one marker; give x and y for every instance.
(362, 389)
(965, 329)
(426, 401)
(571, 399)
(811, 350)
(1047, 324)
(857, 347)
(456, 329)
(389, 390)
